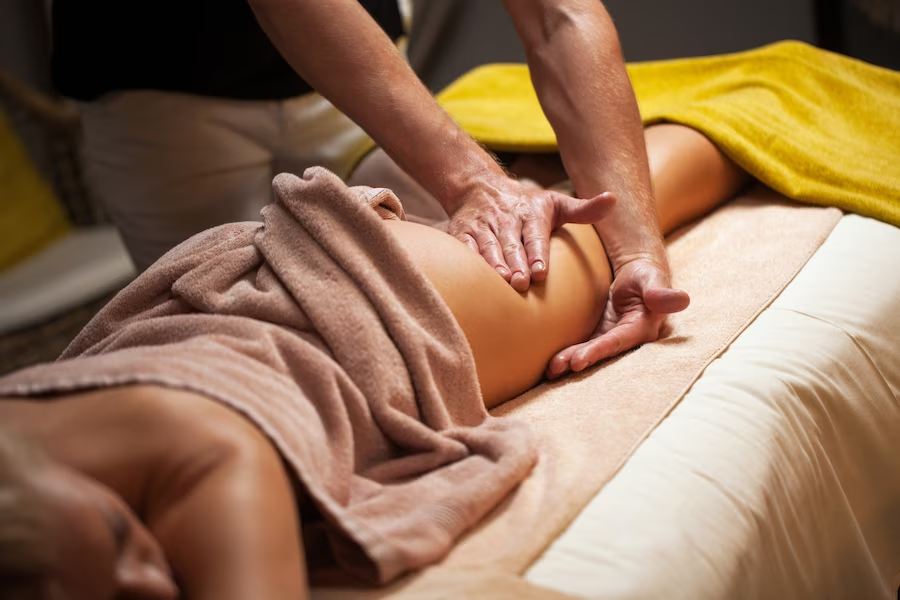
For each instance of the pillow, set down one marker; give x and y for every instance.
(31, 216)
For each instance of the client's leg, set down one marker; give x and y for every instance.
(690, 175)
(513, 335)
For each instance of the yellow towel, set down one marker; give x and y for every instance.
(30, 215)
(816, 126)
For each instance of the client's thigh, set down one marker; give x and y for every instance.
(512, 335)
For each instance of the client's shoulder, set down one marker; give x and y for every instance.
(133, 427)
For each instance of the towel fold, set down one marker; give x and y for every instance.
(813, 125)
(319, 328)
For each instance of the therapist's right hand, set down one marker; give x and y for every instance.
(509, 223)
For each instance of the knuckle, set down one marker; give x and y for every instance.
(489, 243)
(534, 242)
(511, 247)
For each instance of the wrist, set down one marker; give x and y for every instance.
(628, 242)
(477, 174)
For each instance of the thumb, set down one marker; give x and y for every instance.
(666, 300)
(577, 210)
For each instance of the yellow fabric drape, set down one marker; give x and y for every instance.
(816, 126)
(30, 215)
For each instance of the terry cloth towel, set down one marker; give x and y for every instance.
(733, 263)
(318, 327)
(816, 126)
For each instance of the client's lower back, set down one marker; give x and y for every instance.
(512, 335)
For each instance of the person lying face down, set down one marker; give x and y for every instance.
(63, 535)
(144, 491)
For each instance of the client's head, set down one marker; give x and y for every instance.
(63, 535)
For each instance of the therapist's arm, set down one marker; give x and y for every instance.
(340, 50)
(579, 73)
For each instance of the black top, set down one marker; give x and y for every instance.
(205, 47)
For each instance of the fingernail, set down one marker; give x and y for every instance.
(519, 281)
(503, 271)
(538, 267)
(559, 367)
(579, 364)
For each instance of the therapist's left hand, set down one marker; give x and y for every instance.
(640, 298)
(509, 223)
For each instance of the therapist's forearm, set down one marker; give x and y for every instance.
(579, 74)
(345, 56)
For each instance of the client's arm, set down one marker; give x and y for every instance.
(226, 514)
(208, 485)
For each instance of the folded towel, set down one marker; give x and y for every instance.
(816, 126)
(733, 263)
(319, 328)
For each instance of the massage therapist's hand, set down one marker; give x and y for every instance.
(640, 297)
(509, 223)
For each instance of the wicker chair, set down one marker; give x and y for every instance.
(49, 297)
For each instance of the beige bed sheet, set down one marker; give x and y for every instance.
(778, 474)
(734, 263)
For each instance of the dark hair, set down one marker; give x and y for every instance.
(25, 551)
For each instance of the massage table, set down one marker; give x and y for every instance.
(775, 473)
(778, 474)
(769, 471)
(772, 473)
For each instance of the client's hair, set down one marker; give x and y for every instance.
(25, 553)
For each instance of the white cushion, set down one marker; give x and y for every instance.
(86, 264)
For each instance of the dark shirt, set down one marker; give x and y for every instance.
(205, 47)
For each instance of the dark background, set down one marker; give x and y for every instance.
(452, 36)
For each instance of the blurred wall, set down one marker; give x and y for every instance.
(24, 41)
(870, 30)
(654, 29)
(25, 52)
(451, 36)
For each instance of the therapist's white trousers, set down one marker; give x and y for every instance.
(167, 165)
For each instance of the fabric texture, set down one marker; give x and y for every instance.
(733, 263)
(776, 474)
(816, 126)
(319, 328)
(31, 216)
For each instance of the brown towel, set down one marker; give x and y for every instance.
(318, 327)
(733, 263)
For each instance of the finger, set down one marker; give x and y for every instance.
(510, 236)
(617, 340)
(576, 210)
(621, 337)
(536, 240)
(490, 250)
(666, 300)
(469, 241)
(559, 364)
